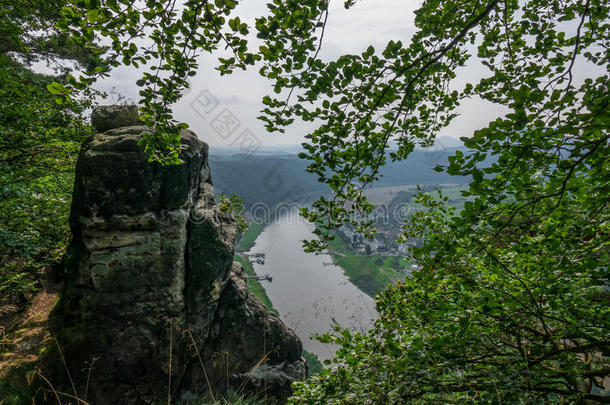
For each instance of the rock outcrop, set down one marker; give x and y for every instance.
(152, 295)
(115, 116)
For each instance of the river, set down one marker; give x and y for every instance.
(307, 291)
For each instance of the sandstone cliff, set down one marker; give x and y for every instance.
(150, 277)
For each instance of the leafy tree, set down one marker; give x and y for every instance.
(39, 140)
(175, 35)
(28, 30)
(233, 206)
(511, 301)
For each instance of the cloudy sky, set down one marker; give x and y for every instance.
(370, 22)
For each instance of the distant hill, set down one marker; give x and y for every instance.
(281, 149)
(264, 179)
(294, 149)
(272, 178)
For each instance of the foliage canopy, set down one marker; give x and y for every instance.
(39, 139)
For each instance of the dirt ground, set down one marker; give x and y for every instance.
(24, 328)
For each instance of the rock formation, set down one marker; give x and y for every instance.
(150, 277)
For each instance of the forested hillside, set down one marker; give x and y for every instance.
(273, 179)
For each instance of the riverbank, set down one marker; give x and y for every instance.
(247, 240)
(254, 285)
(370, 274)
(314, 365)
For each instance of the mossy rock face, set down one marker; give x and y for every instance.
(262, 355)
(114, 176)
(147, 274)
